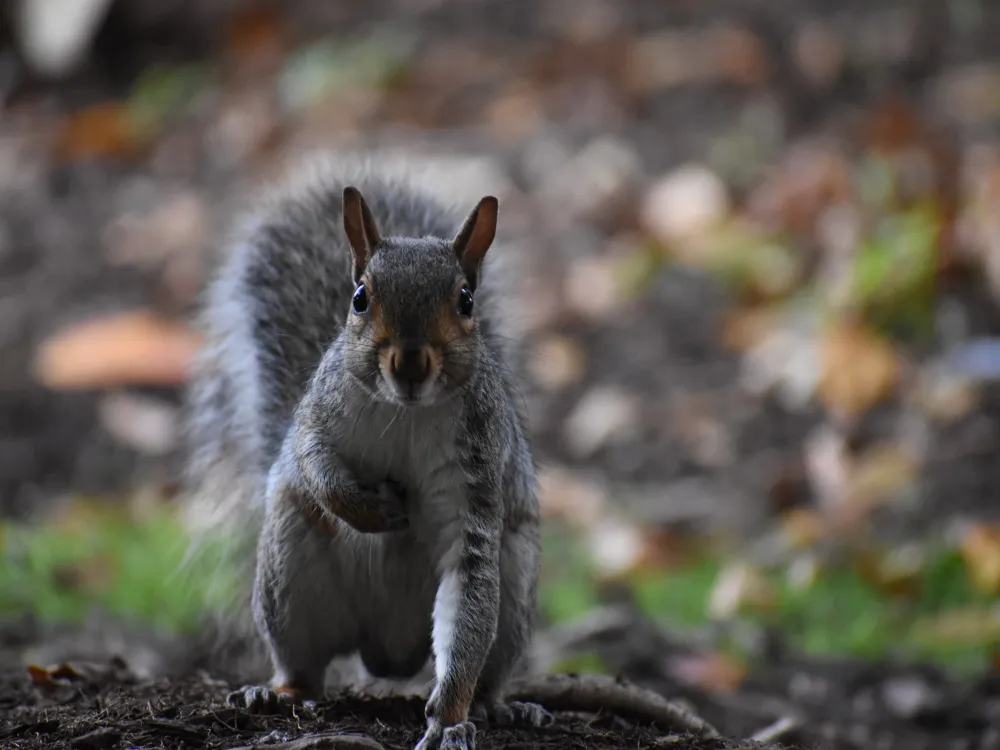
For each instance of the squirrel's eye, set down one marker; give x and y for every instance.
(360, 300)
(465, 302)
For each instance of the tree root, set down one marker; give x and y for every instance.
(593, 693)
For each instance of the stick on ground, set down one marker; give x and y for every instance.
(593, 693)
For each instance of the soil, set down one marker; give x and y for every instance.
(58, 220)
(192, 713)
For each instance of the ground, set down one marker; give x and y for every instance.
(119, 181)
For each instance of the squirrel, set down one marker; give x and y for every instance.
(353, 409)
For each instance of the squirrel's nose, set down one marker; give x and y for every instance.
(411, 365)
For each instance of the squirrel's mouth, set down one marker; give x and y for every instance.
(410, 373)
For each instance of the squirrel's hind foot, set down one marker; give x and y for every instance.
(261, 699)
(515, 713)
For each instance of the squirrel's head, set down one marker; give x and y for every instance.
(412, 324)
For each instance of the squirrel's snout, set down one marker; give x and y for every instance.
(411, 367)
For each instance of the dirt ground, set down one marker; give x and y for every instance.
(82, 233)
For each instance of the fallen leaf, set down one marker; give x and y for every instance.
(131, 348)
(90, 575)
(591, 288)
(876, 477)
(684, 203)
(743, 58)
(747, 327)
(740, 586)
(944, 395)
(565, 494)
(53, 678)
(256, 41)
(858, 369)
(602, 415)
(103, 130)
(148, 425)
(556, 362)
(716, 672)
(895, 573)
(803, 527)
(980, 549)
(616, 548)
(796, 194)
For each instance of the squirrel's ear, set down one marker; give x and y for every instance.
(362, 231)
(475, 238)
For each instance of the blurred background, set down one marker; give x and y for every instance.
(759, 273)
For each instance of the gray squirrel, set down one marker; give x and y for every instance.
(354, 411)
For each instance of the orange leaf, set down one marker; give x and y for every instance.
(40, 677)
(131, 348)
(256, 39)
(103, 130)
(857, 369)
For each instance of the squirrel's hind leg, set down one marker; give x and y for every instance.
(519, 555)
(301, 608)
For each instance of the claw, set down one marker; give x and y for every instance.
(517, 713)
(261, 699)
(460, 736)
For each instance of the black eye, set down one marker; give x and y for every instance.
(465, 302)
(360, 300)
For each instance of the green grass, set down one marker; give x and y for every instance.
(102, 559)
(139, 569)
(839, 613)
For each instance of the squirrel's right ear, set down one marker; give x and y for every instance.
(362, 231)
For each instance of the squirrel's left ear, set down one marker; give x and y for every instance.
(475, 238)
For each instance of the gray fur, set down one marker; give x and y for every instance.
(282, 407)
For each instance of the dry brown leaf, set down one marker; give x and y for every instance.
(256, 40)
(102, 130)
(53, 678)
(857, 369)
(131, 348)
(980, 550)
(747, 327)
(556, 362)
(718, 672)
(94, 574)
(803, 527)
(874, 478)
(663, 548)
(743, 58)
(740, 586)
(796, 194)
(896, 573)
(563, 494)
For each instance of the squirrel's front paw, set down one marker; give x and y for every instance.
(387, 500)
(261, 699)
(461, 736)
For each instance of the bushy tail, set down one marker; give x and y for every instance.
(222, 512)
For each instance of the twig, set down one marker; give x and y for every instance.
(325, 742)
(777, 730)
(593, 693)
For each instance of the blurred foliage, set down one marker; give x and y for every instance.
(94, 555)
(937, 614)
